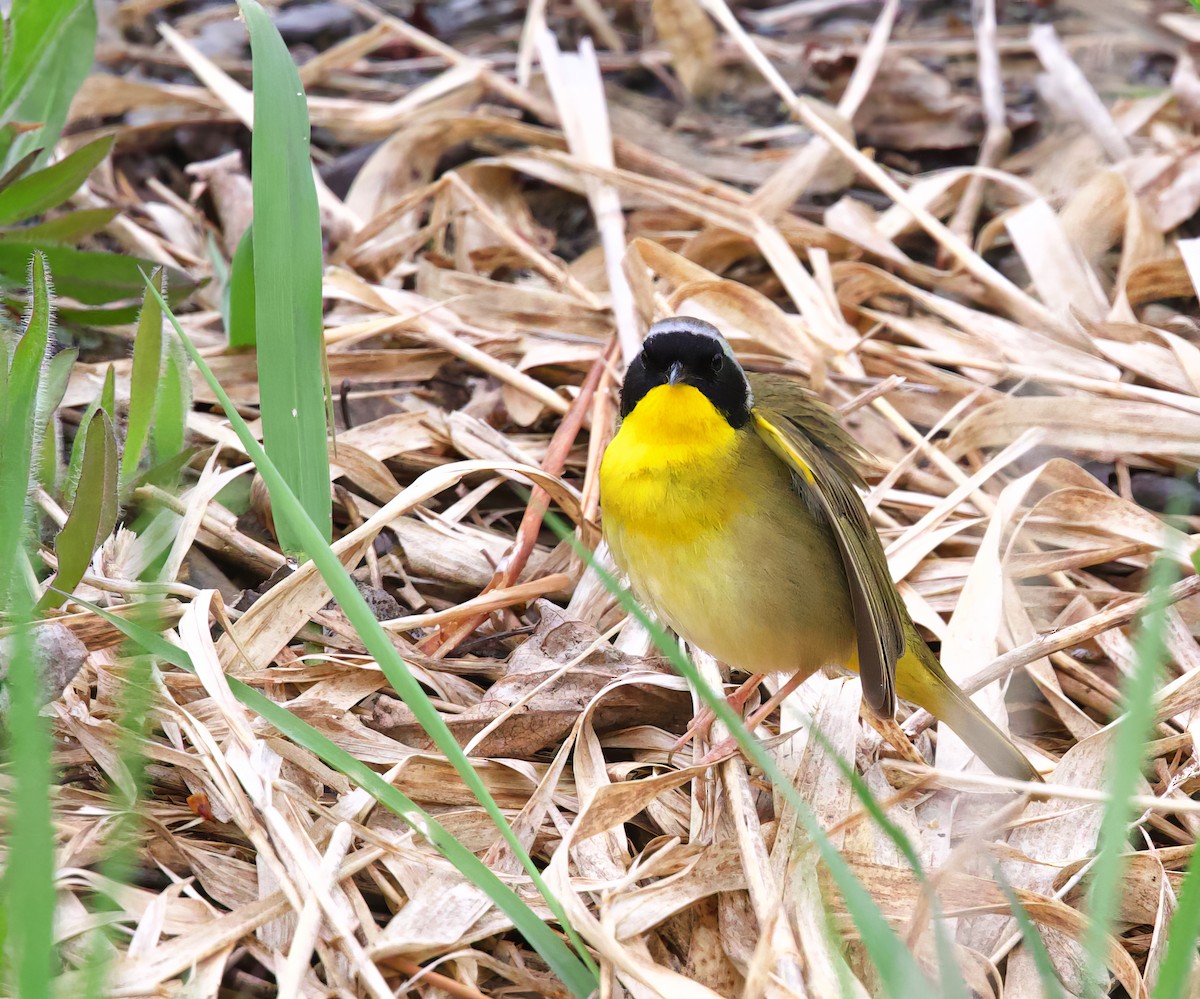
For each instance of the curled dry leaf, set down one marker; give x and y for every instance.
(548, 681)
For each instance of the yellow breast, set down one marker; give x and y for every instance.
(703, 521)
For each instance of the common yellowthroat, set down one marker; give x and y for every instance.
(730, 501)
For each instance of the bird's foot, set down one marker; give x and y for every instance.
(703, 722)
(728, 746)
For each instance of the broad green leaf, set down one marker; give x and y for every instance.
(287, 278)
(88, 277)
(49, 187)
(70, 228)
(241, 328)
(34, 26)
(93, 514)
(578, 979)
(144, 379)
(19, 421)
(50, 55)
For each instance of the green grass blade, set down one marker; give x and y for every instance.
(93, 514)
(28, 881)
(1051, 986)
(566, 965)
(287, 278)
(19, 421)
(57, 79)
(50, 187)
(1175, 975)
(241, 328)
(898, 970)
(144, 379)
(1127, 760)
(952, 983)
(118, 866)
(377, 641)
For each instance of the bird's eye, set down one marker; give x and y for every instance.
(717, 363)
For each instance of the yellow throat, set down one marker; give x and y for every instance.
(669, 475)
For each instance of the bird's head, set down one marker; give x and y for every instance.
(683, 351)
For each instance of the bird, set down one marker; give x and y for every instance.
(731, 503)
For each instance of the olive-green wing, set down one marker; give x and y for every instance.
(810, 441)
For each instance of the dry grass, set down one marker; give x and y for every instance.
(1007, 324)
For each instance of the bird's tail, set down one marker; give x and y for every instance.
(921, 679)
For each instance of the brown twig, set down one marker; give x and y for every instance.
(440, 644)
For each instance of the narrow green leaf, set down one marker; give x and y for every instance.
(953, 984)
(18, 169)
(93, 514)
(118, 867)
(49, 187)
(9, 132)
(54, 383)
(174, 403)
(287, 277)
(144, 379)
(241, 327)
(91, 278)
(69, 229)
(27, 886)
(48, 430)
(560, 959)
(1051, 986)
(108, 393)
(19, 412)
(106, 401)
(1125, 769)
(28, 880)
(344, 590)
(1175, 974)
(899, 972)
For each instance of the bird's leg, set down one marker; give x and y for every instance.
(705, 718)
(894, 736)
(727, 747)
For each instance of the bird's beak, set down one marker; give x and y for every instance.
(675, 373)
